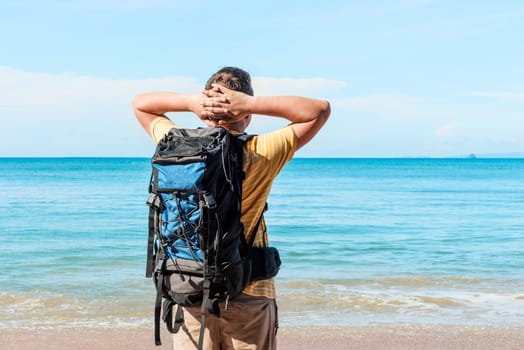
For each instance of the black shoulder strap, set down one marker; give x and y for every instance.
(154, 206)
(158, 307)
(245, 137)
(249, 242)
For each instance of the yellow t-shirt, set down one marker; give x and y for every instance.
(264, 156)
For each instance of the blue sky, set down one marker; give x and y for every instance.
(404, 78)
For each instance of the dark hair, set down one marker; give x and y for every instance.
(232, 78)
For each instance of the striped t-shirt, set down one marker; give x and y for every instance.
(264, 156)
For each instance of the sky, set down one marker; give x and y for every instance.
(405, 78)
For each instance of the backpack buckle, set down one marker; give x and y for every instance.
(210, 200)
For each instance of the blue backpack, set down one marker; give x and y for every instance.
(197, 251)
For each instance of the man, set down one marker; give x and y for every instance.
(250, 321)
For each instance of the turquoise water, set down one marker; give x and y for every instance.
(363, 241)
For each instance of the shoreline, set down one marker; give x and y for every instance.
(390, 337)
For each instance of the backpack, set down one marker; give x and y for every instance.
(197, 251)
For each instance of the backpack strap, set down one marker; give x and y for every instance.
(249, 242)
(244, 137)
(179, 319)
(208, 304)
(203, 309)
(167, 306)
(158, 305)
(154, 203)
(167, 316)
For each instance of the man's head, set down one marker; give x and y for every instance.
(234, 79)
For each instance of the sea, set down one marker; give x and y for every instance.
(363, 242)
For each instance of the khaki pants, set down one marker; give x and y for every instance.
(249, 323)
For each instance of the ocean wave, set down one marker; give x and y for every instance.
(48, 310)
(404, 299)
(320, 302)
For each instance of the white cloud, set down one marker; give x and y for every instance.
(68, 114)
(66, 91)
(43, 114)
(515, 96)
(397, 106)
(287, 86)
(97, 110)
(398, 124)
(446, 130)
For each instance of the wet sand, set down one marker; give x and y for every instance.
(304, 338)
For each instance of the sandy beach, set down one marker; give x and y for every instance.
(334, 338)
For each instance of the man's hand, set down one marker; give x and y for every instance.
(224, 105)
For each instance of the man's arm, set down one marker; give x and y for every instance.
(307, 116)
(150, 106)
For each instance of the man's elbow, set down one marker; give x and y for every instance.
(324, 111)
(138, 102)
